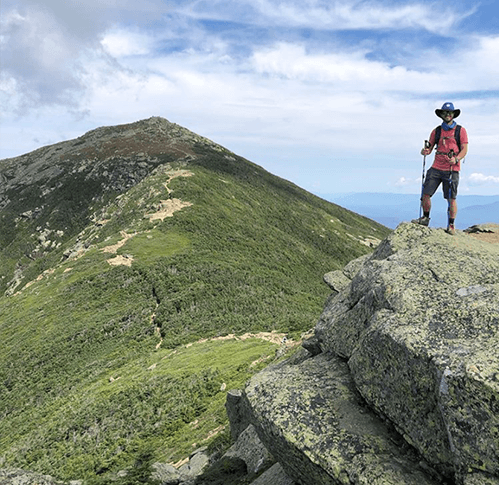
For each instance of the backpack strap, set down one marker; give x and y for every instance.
(438, 133)
(457, 135)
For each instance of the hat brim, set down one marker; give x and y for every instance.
(439, 112)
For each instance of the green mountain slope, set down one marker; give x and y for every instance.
(120, 249)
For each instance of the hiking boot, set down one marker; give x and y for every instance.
(451, 230)
(423, 221)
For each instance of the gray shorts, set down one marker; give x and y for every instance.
(436, 177)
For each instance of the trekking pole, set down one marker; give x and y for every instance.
(426, 145)
(451, 154)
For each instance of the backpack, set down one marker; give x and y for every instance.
(457, 135)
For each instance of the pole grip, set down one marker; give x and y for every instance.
(451, 154)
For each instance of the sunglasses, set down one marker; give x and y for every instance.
(447, 113)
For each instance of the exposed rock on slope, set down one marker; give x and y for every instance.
(404, 384)
(22, 477)
(315, 423)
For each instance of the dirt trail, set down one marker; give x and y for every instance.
(114, 248)
(168, 207)
(274, 337)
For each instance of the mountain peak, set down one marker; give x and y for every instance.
(154, 136)
(105, 150)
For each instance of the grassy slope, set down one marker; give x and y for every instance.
(76, 396)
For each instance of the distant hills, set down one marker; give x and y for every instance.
(132, 260)
(392, 209)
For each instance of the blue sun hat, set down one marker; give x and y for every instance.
(447, 107)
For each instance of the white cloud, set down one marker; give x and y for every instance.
(349, 69)
(40, 58)
(358, 15)
(47, 45)
(476, 52)
(481, 179)
(123, 43)
(484, 69)
(332, 15)
(403, 182)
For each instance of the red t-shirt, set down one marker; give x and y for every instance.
(447, 143)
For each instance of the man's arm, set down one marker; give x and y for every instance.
(464, 145)
(464, 151)
(428, 148)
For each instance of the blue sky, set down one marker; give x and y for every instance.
(335, 96)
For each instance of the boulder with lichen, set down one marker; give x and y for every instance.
(405, 388)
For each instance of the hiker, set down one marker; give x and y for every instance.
(451, 141)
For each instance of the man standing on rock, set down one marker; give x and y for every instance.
(451, 141)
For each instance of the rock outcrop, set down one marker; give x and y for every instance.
(22, 477)
(402, 382)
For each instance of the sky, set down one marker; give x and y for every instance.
(336, 96)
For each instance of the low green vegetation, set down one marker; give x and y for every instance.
(103, 364)
(168, 400)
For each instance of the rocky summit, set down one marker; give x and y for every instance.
(400, 383)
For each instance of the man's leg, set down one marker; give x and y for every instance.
(426, 204)
(452, 216)
(452, 209)
(432, 180)
(451, 191)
